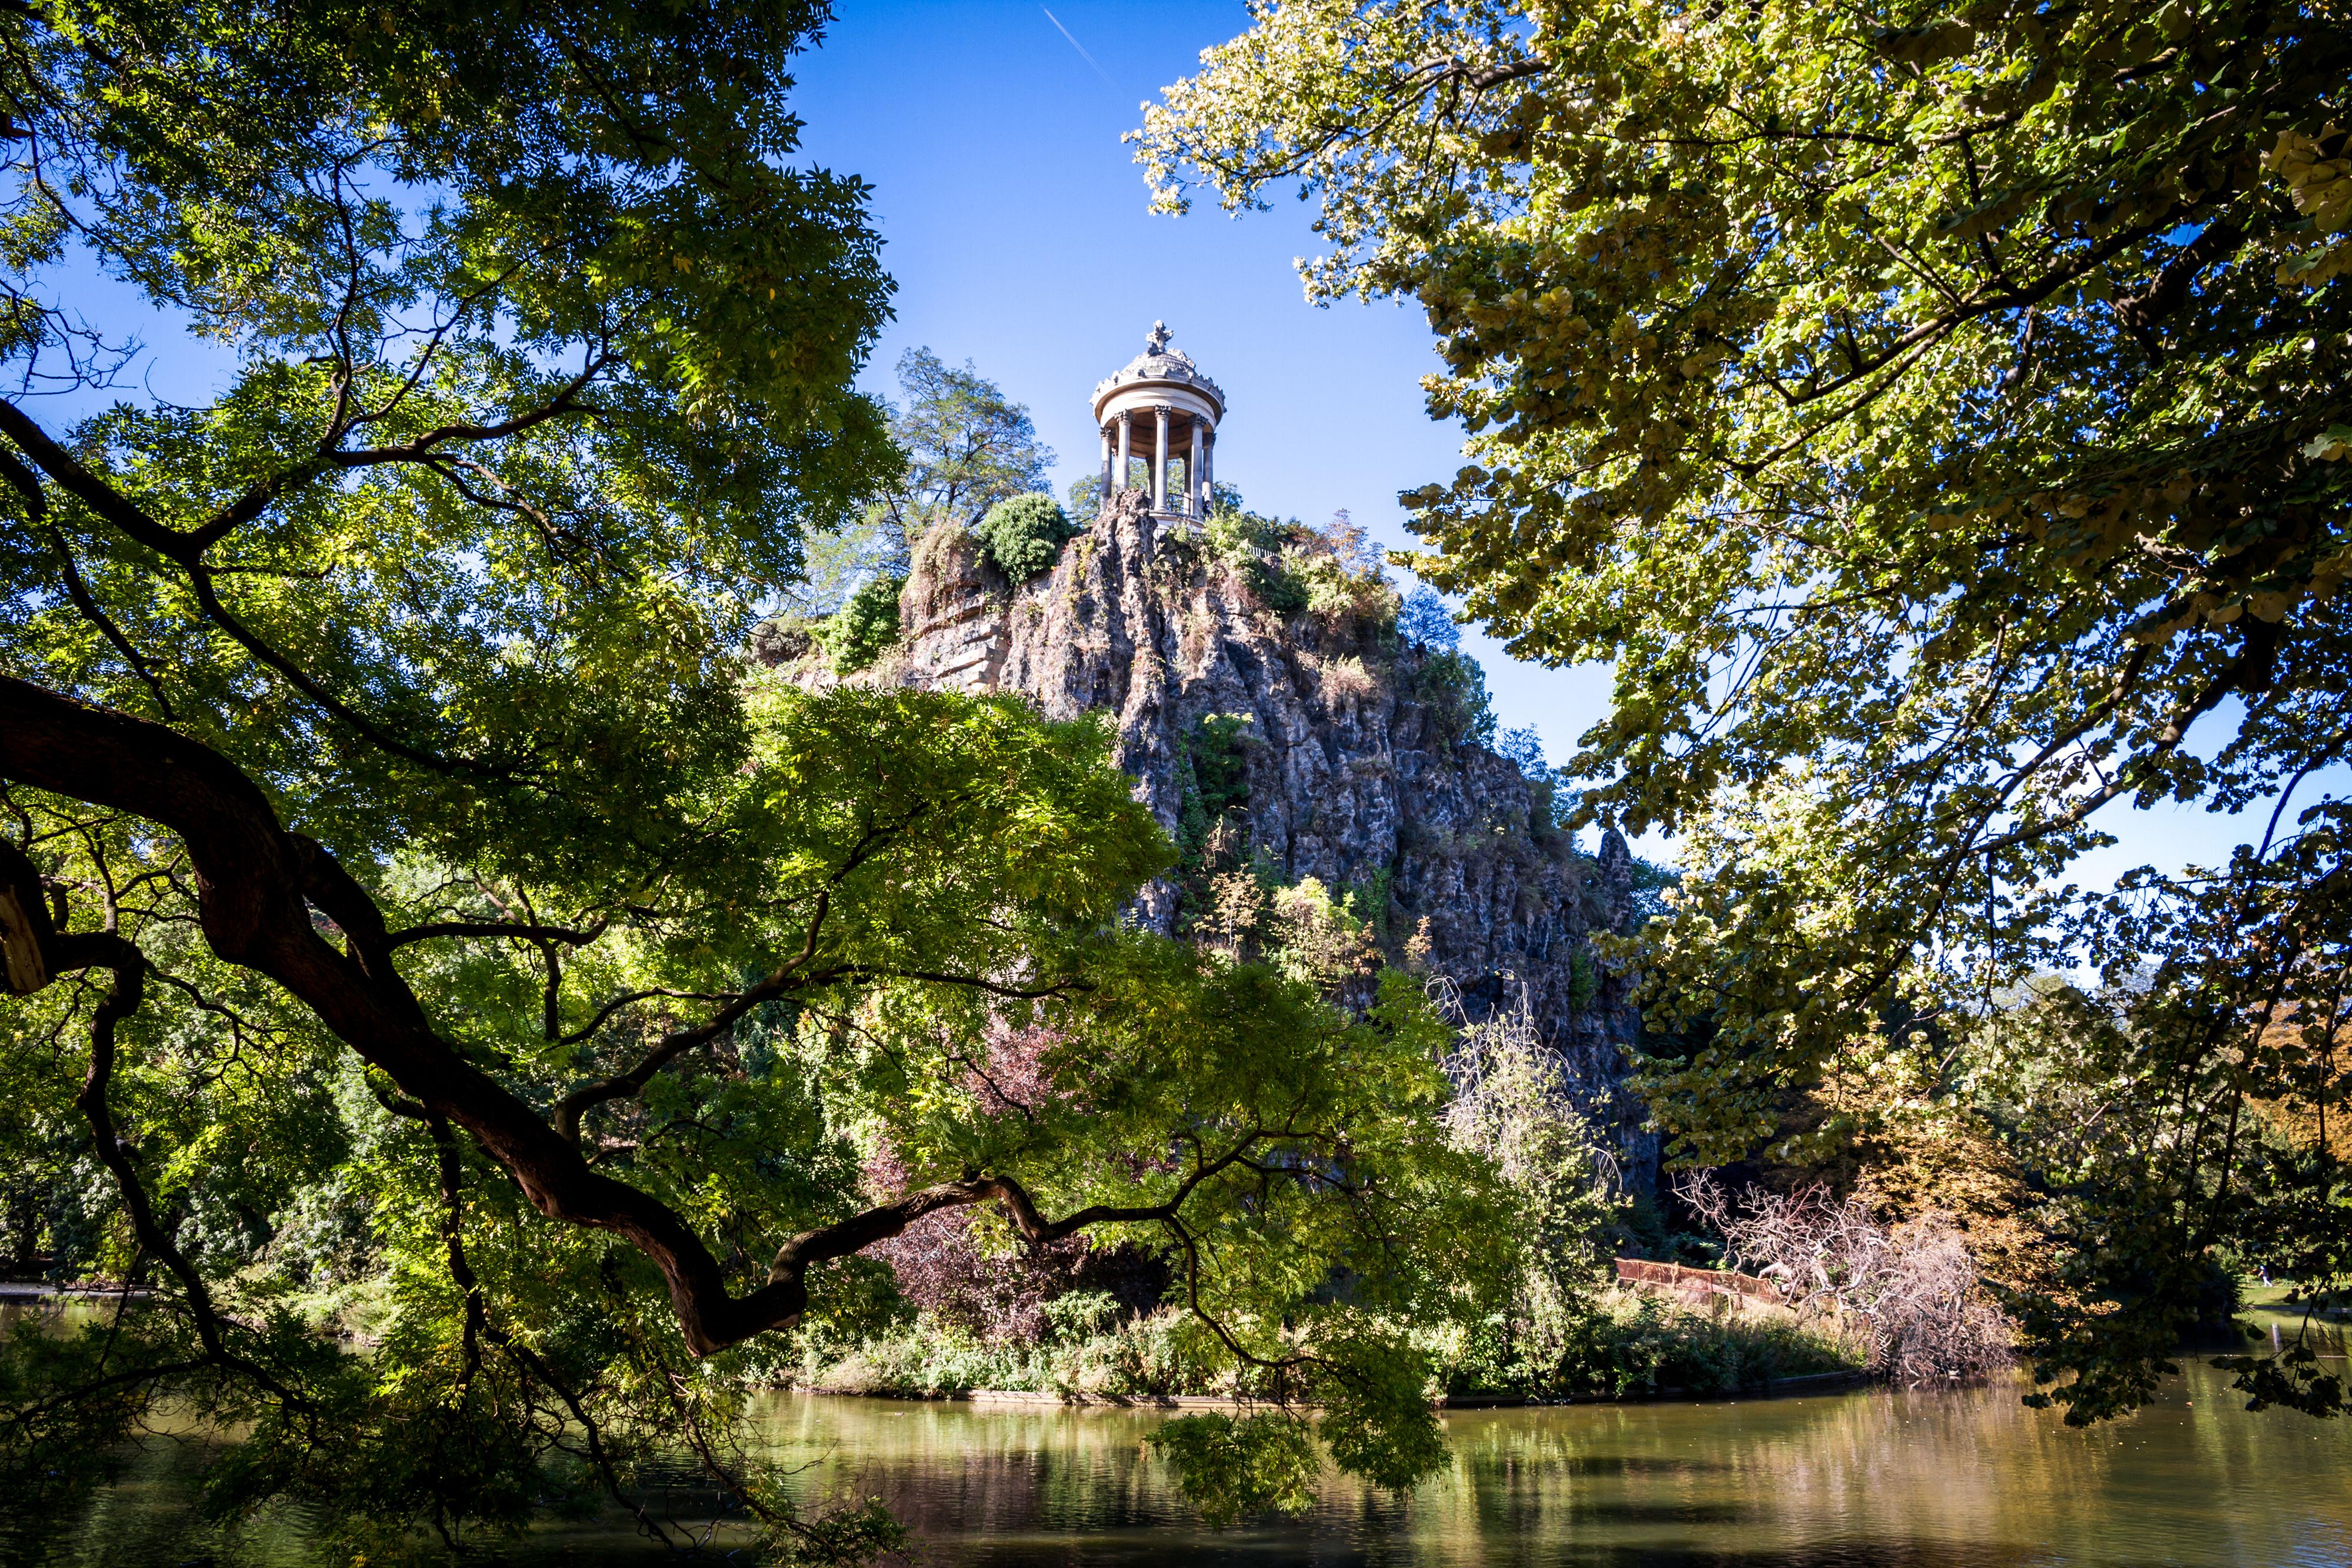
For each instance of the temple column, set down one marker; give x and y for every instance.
(1208, 472)
(1160, 461)
(1107, 491)
(1126, 447)
(1197, 502)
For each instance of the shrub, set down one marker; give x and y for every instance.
(1274, 585)
(1913, 1287)
(1453, 688)
(1639, 1343)
(865, 625)
(1347, 680)
(1023, 535)
(1215, 754)
(1339, 593)
(1318, 941)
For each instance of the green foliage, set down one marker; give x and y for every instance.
(1023, 534)
(1453, 687)
(1216, 755)
(1936, 419)
(430, 925)
(1166, 1351)
(1233, 1467)
(1583, 979)
(2177, 1120)
(1254, 547)
(1642, 1344)
(1219, 748)
(1273, 585)
(947, 838)
(866, 624)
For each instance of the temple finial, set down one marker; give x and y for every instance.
(1156, 340)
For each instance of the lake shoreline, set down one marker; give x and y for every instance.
(1796, 1388)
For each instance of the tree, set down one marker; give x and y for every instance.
(1427, 621)
(411, 900)
(967, 446)
(864, 625)
(1938, 413)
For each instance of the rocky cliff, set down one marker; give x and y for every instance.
(1277, 724)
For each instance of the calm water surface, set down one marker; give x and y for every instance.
(1869, 1479)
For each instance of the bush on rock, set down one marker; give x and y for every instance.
(866, 624)
(1023, 534)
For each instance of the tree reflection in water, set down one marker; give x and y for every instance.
(1871, 1479)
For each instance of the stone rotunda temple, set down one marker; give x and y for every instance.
(1157, 408)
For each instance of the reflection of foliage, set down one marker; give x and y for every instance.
(1236, 1466)
(1023, 534)
(865, 625)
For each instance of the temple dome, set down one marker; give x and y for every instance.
(1163, 365)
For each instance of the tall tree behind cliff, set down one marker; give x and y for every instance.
(967, 446)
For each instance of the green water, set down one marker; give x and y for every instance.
(1868, 1480)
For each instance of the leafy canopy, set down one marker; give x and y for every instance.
(1938, 413)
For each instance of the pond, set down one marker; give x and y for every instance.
(1864, 1479)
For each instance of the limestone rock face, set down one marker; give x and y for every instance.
(1353, 776)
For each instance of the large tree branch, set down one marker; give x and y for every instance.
(255, 883)
(520, 933)
(2168, 290)
(882, 1222)
(67, 472)
(302, 682)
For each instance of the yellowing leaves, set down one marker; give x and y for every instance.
(2321, 188)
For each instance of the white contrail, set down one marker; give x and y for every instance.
(1081, 49)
